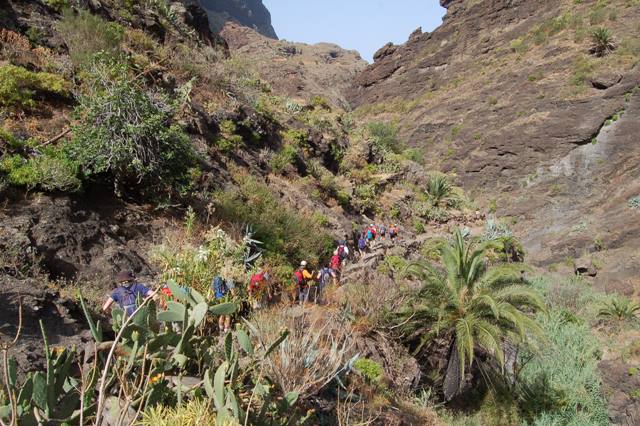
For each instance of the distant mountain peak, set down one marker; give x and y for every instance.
(249, 13)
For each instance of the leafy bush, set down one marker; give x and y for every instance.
(51, 171)
(128, 133)
(194, 261)
(86, 34)
(560, 383)
(365, 197)
(284, 158)
(285, 233)
(370, 370)
(229, 141)
(384, 137)
(18, 86)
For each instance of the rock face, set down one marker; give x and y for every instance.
(296, 69)
(506, 94)
(249, 13)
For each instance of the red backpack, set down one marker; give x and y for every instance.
(299, 277)
(256, 279)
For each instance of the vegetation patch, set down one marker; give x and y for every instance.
(127, 133)
(19, 86)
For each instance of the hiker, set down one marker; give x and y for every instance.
(325, 276)
(166, 295)
(362, 246)
(259, 286)
(382, 232)
(371, 233)
(220, 289)
(343, 251)
(335, 262)
(393, 232)
(128, 293)
(302, 277)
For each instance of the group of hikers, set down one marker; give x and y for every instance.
(370, 234)
(306, 286)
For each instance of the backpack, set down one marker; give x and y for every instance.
(393, 231)
(383, 230)
(256, 279)
(128, 298)
(325, 276)
(369, 234)
(335, 262)
(299, 277)
(342, 252)
(219, 287)
(362, 244)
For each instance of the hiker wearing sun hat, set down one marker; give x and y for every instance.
(128, 294)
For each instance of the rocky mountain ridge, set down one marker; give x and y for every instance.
(249, 13)
(502, 94)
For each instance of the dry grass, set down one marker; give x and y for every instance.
(316, 350)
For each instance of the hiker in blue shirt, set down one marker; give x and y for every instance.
(128, 293)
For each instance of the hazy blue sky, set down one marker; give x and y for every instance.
(364, 25)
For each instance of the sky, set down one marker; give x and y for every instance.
(363, 25)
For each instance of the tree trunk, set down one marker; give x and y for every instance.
(453, 379)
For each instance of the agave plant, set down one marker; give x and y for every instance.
(603, 43)
(440, 191)
(620, 308)
(472, 307)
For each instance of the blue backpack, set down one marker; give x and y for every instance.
(369, 235)
(362, 244)
(127, 297)
(325, 276)
(219, 287)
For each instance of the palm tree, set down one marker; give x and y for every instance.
(440, 191)
(472, 307)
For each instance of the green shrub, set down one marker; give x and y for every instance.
(128, 133)
(602, 40)
(57, 5)
(560, 384)
(384, 137)
(86, 34)
(284, 158)
(228, 141)
(319, 102)
(620, 308)
(370, 370)
(365, 197)
(286, 234)
(51, 171)
(634, 202)
(18, 86)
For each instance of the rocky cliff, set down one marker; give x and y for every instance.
(509, 95)
(249, 13)
(297, 70)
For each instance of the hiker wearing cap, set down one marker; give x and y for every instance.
(128, 294)
(301, 278)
